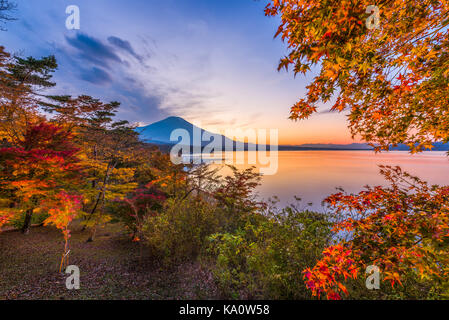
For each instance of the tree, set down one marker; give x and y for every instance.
(393, 80)
(237, 191)
(162, 173)
(116, 152)
(237, 196)
(34, 172)
(203, 179)
(403, 230)
(134, 209)
(111, 151)
(83, 113)
(20, 82)
(62, 209)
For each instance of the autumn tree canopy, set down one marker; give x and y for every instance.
(43, 164)
(393, 80)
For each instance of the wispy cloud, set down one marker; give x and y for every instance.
(93, 50)
(124, 45)
(96, 76)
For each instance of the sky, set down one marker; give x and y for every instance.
(212, 62)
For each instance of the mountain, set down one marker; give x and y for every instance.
(159, 133)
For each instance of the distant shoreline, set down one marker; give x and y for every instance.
(166, 148)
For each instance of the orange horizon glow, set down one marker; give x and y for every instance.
(319, 129)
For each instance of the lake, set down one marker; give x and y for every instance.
(313, 175)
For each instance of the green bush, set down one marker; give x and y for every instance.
(265, 258)
(181, 230)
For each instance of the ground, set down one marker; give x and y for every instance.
(110, 268)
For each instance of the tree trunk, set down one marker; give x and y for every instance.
(94, 181)
(27, 221)
(100, 194)
(92, 235)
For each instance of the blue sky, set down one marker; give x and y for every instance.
(211, 62)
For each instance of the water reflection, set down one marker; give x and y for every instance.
(313, 175)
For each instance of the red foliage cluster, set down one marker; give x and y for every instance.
(324, 277)
(145, 200)
(138, 206)
(43, 144)
(38, 170)
(403, 230)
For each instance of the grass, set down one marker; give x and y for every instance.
(110, 268)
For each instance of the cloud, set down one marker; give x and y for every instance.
(124, 45)
(93, 50)
(96, 76)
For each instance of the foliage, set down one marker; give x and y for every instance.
(110, 151)
(161, 172)
(393, 80)
(180, 231)
(264, 258)
(20, 82)
(62, 210)
(43, 164)
(403, 230)
(135, 209)
(203, 180)
(236, 194)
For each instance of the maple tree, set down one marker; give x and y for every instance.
(62, 209)
(393, 80)
(36, 170)
(137, 206)
(402, 229)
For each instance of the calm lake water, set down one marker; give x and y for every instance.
(313, 175)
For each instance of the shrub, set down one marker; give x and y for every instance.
(264, 259)
(137, 206)
(181, 230)
(209, 205)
